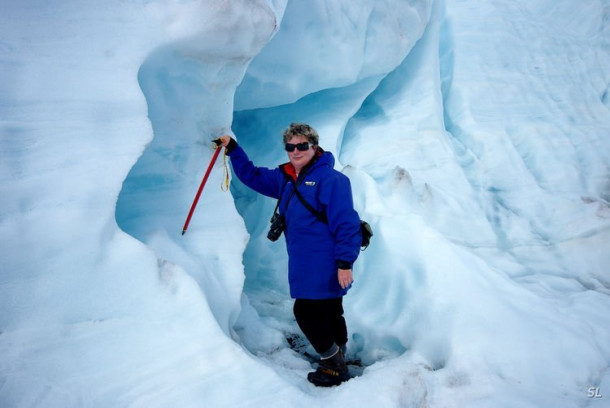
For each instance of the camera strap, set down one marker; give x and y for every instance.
(277, 205)
(320, 216)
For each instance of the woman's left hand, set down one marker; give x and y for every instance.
(345, 277)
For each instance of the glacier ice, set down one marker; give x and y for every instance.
(475, 136)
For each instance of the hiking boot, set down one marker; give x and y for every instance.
(330, 372)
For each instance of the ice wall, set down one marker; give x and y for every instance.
(89, 316)
(189, 85)
(474, 136)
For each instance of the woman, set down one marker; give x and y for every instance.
(323, 238)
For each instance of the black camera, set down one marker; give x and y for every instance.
(278, 225)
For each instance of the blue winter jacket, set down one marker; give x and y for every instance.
(315, 249)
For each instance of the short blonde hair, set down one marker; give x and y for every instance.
(301, 129)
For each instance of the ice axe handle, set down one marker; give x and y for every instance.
(205, 178)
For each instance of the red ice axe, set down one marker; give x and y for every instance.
(205, 178)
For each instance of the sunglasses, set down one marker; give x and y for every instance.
(302, 147)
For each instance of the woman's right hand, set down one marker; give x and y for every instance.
(227, 142)
(223, 140)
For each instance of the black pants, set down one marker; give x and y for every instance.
(322, 322)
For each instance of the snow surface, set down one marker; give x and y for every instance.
(475, 134)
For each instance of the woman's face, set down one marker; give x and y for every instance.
(298, 158)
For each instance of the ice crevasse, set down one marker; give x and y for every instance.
(475, 137)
